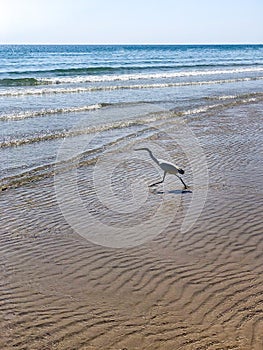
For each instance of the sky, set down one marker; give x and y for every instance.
(130, 21)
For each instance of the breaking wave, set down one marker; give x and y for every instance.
(122, 77)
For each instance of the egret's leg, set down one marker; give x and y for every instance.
(156, 183)
(182, 181)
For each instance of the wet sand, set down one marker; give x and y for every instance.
(202, 289)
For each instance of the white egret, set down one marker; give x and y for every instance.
(167, 167)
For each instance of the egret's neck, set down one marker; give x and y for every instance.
(153, 157)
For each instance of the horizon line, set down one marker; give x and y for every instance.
(134, 44)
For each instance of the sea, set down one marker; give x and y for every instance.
(110, 94)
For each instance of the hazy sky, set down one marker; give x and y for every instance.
(131, 21)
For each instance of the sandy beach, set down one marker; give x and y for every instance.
(198, 290)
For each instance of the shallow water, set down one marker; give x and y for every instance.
(48, 93)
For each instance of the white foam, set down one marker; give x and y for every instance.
(127, 77)
(46, 91)
(227, 97)
(45, 112)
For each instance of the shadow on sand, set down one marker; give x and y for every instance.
(172, 191)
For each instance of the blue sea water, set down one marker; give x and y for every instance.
(47, 90)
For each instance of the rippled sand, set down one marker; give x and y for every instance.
(202, 289)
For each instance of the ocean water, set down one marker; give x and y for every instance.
(49, 93)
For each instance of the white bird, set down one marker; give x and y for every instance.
(167, 167)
